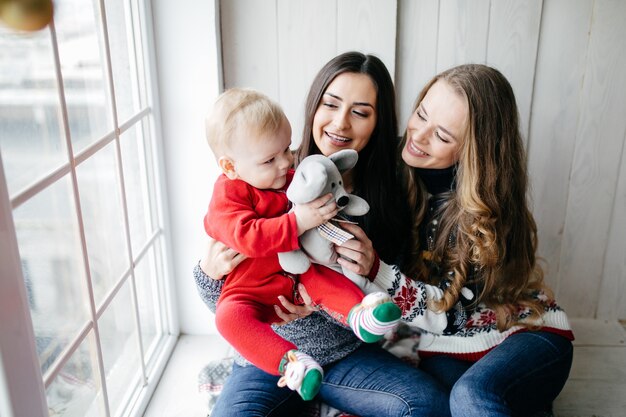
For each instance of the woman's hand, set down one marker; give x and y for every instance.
(219, 260)
(359, 252)
(295, 312)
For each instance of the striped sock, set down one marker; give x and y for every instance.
(373, 317)
(301, 373)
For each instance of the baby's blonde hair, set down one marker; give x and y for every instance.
(237, 110)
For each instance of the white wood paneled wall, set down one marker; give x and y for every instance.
(566, 60)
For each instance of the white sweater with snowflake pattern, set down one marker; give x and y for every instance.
(463, 332)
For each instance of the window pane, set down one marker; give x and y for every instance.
(103, 220)
(51, 258)
(139, 195)
(120, 349)
(77, 23)
(146, 276)
(76, 391)
(123, 62)
(29, 108)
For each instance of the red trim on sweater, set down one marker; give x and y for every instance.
(375, 267)
(475, 356)
(470, 357)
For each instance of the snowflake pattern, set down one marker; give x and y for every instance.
(482, 318)
(551, 305)
(464, 320)
(405, 298)
(408, 297)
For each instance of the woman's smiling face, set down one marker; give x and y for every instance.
(435, 129)
(346, 116)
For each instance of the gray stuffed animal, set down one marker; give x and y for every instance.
(315, 176)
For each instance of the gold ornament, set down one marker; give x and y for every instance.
(27, 15)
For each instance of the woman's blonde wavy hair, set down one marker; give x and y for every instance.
(495, 234)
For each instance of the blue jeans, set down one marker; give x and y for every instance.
(368, 382)
(521, 376)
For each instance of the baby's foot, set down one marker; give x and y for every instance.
(302, 374)
(374, 317)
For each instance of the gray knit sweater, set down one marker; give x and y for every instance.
(318, 335)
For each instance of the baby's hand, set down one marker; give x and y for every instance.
(316, 212)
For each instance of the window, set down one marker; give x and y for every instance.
(82, 180)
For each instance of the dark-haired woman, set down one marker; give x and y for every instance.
(351, 105)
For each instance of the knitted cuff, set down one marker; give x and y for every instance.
(386, 276)
(374, 271)
(208, 288)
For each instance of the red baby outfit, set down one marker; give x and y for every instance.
(257, 224)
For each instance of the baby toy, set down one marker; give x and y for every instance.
(315, 176)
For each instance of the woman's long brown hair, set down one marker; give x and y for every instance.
(487, 212)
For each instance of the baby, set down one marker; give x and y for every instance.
(249, 211)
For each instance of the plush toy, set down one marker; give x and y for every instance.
(315, 176)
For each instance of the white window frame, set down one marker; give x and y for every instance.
(22, 390)
(21, 384)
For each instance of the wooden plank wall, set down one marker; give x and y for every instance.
(566, 60)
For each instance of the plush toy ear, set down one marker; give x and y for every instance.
(356, 207)
(308, 182)
(344, 159)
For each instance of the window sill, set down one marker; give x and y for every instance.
(177, 393)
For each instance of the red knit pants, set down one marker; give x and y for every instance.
(244, 321)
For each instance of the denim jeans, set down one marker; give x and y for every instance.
(368, 382)
(519, 377)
